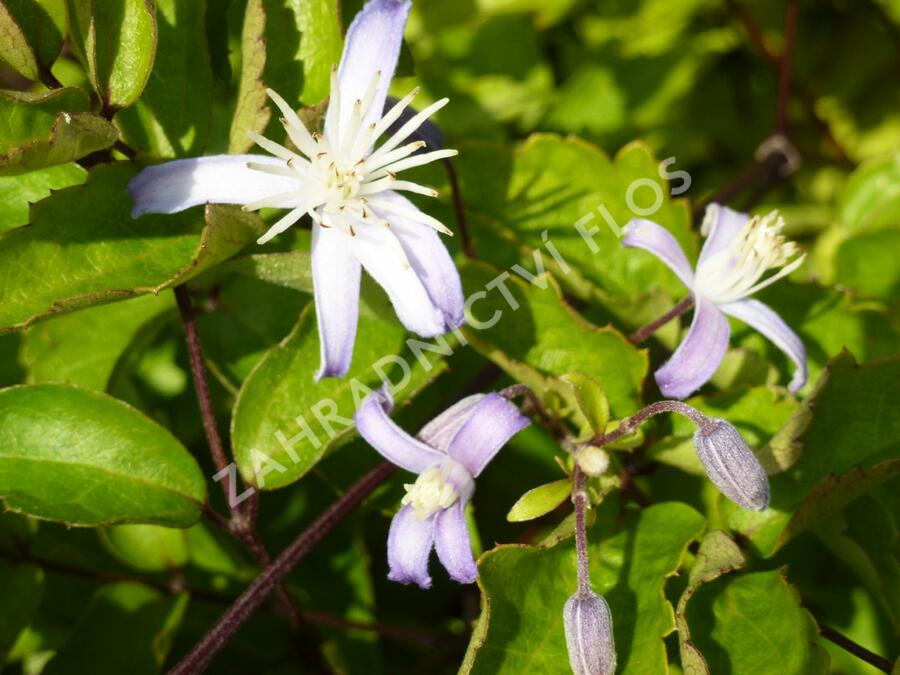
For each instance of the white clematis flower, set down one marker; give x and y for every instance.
(349, 189)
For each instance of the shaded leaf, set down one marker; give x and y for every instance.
(149, 548)
(126, 628)
(32, 32)
(84, 458)
(17, 193)
(21, 587)
(252, 112)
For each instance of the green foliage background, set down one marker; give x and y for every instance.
(556, 107)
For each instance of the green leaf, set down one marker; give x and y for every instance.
(865, 535)
(759, 627)
(319, 25)
(866, 263)
(871, 198)
(116, 43)
(533, 192)
(524, 589)
(33, 32)
(252, 112)
(290, 270)
(534, 335)
(172, 116)
(130, 624)
(148, 548)
(21, 587)
(540, 501)
(591, 408)
(284, 421)
(84, 458)
(70, 348)
(844, 441)
(17, 193)
(717, 555)
(83, 248)
(55, 127)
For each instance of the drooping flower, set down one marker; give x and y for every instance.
(589, 634)
(738, 253)
(348, 188)
(731, 465)
(447, 455)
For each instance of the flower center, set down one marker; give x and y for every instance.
(438, 487)
(737, 270)
(341, 179)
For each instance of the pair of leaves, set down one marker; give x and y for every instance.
(289, 47)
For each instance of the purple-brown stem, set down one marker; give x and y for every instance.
(641, 334)
(629, 424)
(210, 645)
(580, 501)
(459, 210)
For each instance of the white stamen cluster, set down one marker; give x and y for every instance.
(737, 271)
(430, 493)
(339, 178)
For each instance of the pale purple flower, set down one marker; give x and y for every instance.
(731, 464)
(349, 189)
(447, 455)
(737, 254)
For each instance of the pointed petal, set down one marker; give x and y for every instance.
(490, 424)
(440, 431)
(391, 441)
(336, 275)
(429, 258)
(373, 247)
(640, 233)
(761, 317)
(429, 132)
(220, 179)
(720, 226)
(699, 354)
(372, 45)
(409, 545)
(454, 549)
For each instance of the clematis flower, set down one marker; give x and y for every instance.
(348, 188)
(448, 455)
(738, 253)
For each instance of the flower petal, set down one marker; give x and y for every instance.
(440, 431)
(454, 548)
(372, 45)
(336, 275)
(698, 356)
(490, 424)
(429, 258)
(720, 226)
(379, 256)
(220, 179)
(391, 441)
(409, 545)
(640, 233)
(766, 321)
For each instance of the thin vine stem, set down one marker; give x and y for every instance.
(580, 501)
(250, 600)
(629, 424)
(641, 334)
(459, 209)
(857, 650)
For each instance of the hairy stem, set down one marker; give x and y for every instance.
(205, 650)
(629, 424)
(580, 500)
(641, 334)
(857, 650)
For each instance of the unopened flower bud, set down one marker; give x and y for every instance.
(731, 465)
(593, 461)
(589, 635)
